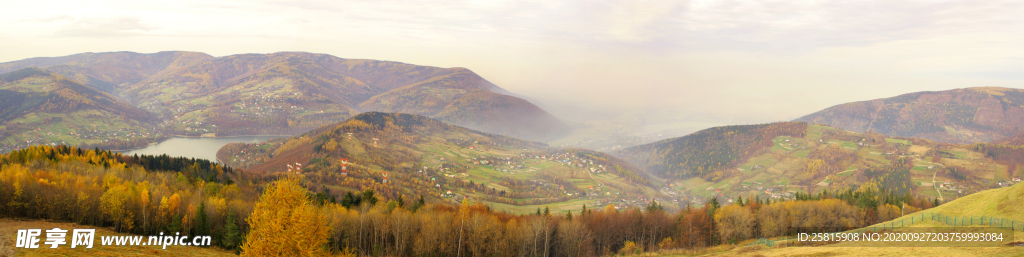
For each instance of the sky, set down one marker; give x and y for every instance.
(703, 62)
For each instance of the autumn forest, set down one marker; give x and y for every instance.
(146, 195)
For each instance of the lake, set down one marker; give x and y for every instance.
(194, 147)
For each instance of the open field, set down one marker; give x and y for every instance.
(555, 208)
(898, 141)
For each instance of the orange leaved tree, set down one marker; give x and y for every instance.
(285, 223)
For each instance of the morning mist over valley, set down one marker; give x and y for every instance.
(511, 128)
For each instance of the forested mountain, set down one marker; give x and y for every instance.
(423, 156)
(779, 159)
(36, 104)
(709, 150)
(966, 115)
(292, 92)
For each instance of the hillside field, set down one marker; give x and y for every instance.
(815, 159)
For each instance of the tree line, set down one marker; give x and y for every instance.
(101, 188)
(395, 228)
(286, 218)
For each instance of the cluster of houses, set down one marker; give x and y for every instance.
(263, 104)
(202, 127)
(765, 191)
(58, 138)
(508, 164)
(568, 159)
(454, 197)
(629, 202)
(126, 133)
(250, 158)
(795, 144)
(1012, 181)
(951, 186)
(499, 164)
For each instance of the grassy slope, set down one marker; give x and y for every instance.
(9, 230)
(1002, 202)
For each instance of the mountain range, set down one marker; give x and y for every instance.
(966, 115)
(420, 114)
(193, 93)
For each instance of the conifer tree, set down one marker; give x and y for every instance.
(285, 223)
(232, 235)
(202, 227)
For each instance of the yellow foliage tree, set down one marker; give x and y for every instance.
(114, 204)
(144, 202)
(285, 223)
(630, 248)
(734, 222)
(331, 146)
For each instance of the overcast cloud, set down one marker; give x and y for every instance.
(719, 62)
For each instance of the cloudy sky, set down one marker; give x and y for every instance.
(714, 61)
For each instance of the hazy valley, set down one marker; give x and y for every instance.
(444, 143)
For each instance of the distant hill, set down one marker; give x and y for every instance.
(293, 92)
(108, 71)
(35, 103)
(954, 116)
(427, 157)
(770, 160)
(709, 150)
